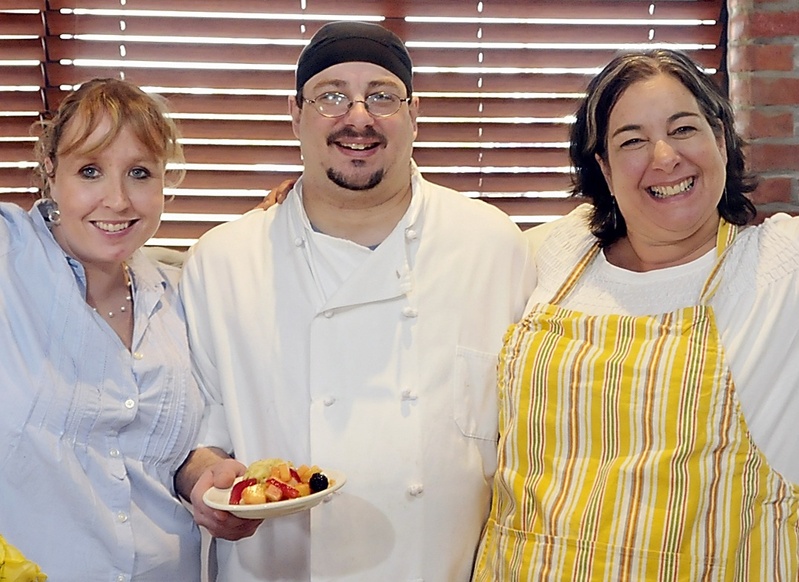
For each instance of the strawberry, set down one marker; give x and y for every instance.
(235, 493)
(295, 475)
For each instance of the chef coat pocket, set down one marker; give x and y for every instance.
(475, 394)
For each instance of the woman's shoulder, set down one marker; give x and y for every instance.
(575, 223)
(564, 237)
(765, 253)
(16, 227)
(775, 240)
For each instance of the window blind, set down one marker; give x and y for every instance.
(498, 83)
(21, 99)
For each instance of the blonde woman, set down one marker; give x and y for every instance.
(99, 407)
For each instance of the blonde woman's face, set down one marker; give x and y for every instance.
(110, 200)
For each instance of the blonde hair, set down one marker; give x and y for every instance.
(126, 105)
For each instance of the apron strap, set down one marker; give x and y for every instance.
(726, 235)
(575, 274)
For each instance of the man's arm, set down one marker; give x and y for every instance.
(208, 467)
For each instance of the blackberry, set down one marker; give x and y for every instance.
(318, 482)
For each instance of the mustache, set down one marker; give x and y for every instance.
(347, 132)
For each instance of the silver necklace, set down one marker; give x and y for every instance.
(128, 297)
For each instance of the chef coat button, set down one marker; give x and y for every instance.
(329, 313)
(329, 401)
(409, 395)
(122, 517)
(138, 355)
(409, 312)
(416, 490)
(130, 403)
(299, 241)
(410, 234)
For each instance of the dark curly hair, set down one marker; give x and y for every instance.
(589, 135)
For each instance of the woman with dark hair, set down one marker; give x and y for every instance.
(99, 405)
(647, 400)
(591, 127)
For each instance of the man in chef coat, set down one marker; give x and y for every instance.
(356, 326)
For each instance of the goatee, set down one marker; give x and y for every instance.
(339, 180)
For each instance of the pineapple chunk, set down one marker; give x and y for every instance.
(254, 494)
(272, 492)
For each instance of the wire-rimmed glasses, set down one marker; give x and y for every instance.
(335, 104)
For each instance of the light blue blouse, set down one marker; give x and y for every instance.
(91, 434)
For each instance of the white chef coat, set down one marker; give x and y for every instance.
(390, 379)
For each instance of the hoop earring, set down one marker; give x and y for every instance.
(49, 209)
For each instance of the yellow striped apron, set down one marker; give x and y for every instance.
(624, 455)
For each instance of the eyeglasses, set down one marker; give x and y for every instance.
(335, 104)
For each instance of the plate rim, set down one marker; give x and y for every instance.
(275, 506)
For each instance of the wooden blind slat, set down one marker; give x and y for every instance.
(267, 33)
(15, 151)
(23, 5)
(15, 178)
(23, 75)
(255, 56)
(19, 23)
(60, 74)
(491, 9)
(21, 49)
(22, 101)
(430, 106)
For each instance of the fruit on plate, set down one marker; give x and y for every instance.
(270, 480)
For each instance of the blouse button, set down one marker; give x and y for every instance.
(121, 578)
(130, 403)
(114, 453)
(410, 234)
(328, 313)
(138, 355)
(409, 312)
(416, 490)
(329, 401)
(298, 242)
(409, 395)
(122, 517)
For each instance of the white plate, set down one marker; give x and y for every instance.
(218, 499)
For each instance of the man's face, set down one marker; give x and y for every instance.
(357, 151)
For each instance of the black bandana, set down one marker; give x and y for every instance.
(345, 42)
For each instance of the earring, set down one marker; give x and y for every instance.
(615, 210)
(49, 209)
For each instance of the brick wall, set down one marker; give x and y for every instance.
(763, 60)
